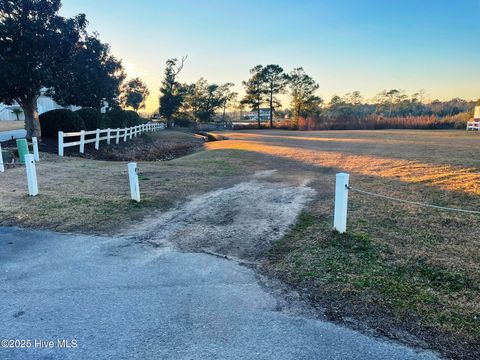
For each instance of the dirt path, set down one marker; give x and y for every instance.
(242, 221)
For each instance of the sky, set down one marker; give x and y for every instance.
(345, 45)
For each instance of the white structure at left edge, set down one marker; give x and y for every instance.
(44, 104)
(474, 124)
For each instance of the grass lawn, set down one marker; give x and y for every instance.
(400, 269)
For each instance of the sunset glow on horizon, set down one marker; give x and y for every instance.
(344, 45)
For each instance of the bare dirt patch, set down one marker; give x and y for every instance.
(242, 221)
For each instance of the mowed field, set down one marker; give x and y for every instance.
(405, 271)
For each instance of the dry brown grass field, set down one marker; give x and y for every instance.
(402, 270)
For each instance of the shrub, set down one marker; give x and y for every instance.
(183, 122)
(64, 120)
(93, 119)
(132, 118)
(124, 118)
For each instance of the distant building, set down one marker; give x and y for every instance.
(44, 104)
(253, 115)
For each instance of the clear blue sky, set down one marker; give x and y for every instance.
(344, 45)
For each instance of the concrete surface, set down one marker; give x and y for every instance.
(16, 134)
(122, 299)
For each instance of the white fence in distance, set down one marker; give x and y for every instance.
(473, 125)
(103, 134)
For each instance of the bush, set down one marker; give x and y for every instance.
(64, 120)
(124, 118)
(93, 119)
(183, 122)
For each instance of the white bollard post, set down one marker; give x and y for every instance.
(97, 139)
(341, 202)
(117, 139)
(82, 141)
(108, 136)
(31, 175)
(36, 155)
(60, 143)
(2, 168)
(133, 177)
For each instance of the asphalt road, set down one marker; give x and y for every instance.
(15, 134)
(121, 299)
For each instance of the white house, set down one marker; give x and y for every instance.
(44, 104)
(253, 115)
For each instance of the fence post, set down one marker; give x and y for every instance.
(124, 134)
(341, 202)
(60, 143)
(82, 141)
(133, 177)
(117, 139)
(2, 168)
(131, 133)
(97, 139)
(31, 175)
(108, 136)
(36, 155)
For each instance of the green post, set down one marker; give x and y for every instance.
(22, 147)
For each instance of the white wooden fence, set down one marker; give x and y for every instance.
(473, 125)
(103, 134)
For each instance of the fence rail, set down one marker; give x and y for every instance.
(473, 125)
(111, 134)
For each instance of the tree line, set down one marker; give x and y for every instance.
(200, 101)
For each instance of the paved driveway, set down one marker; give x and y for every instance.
(116, 298)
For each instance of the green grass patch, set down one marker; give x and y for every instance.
(358, 267)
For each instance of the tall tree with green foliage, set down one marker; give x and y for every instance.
(171, 91)
(275, 82)
(254, 91)
(203, 99)
(94, 76)
(227, 96)
(134, 94)
(36, 44)
(304, 102)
